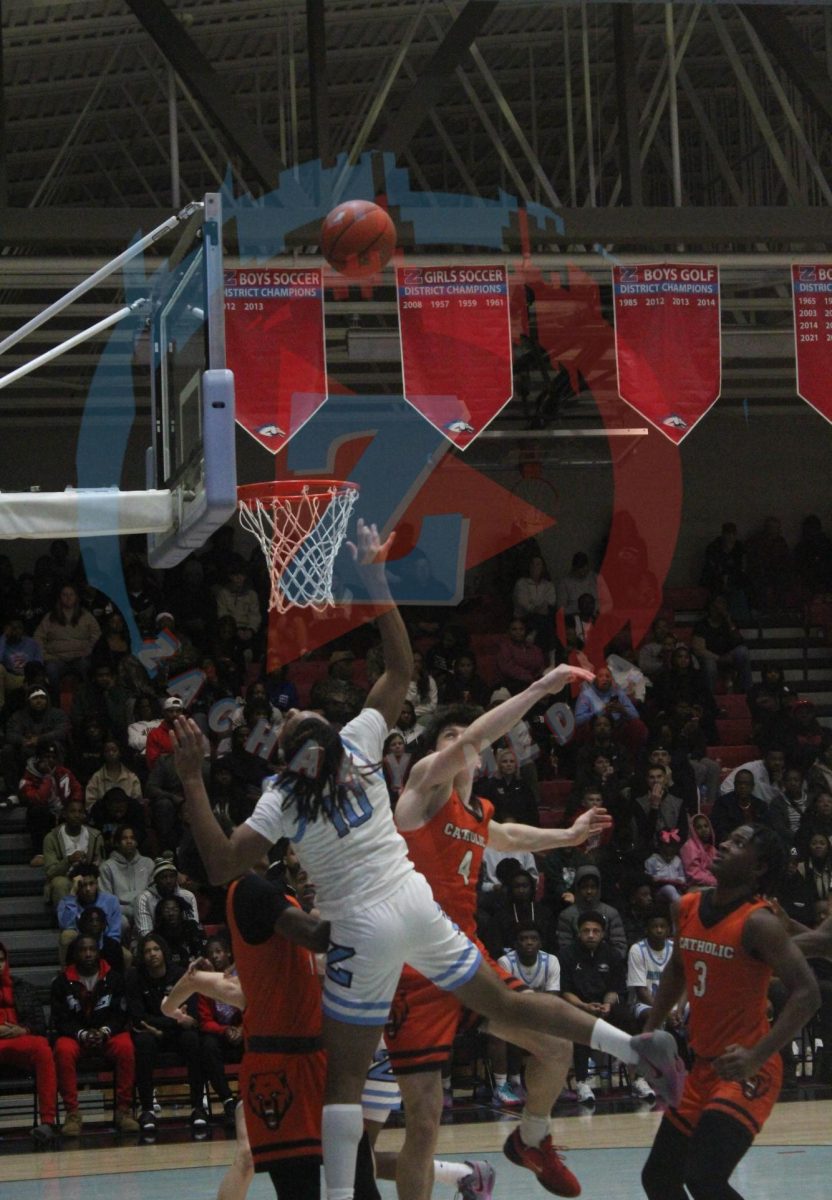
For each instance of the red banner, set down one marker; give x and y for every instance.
(456, 346)
(812, 298)
(275, 345)
(667, 343)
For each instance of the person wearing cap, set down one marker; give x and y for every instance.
(593, 978)
(44, 789)
(164, 882)
(587, 888)
(34, 725)
(159, 740)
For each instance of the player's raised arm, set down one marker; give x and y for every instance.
(213, 984)
(224, 858)
(511, 836)
(440, 768)
(370, 555)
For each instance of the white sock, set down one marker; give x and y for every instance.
(612, 1041)
(448, 1172)
(533, 1129)
(341, 1129)
(499, 1080)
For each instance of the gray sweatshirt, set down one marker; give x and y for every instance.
(125, 878)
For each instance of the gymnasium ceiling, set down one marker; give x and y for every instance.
(571, 106)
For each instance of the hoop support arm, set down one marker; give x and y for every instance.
(83, 335)
(102, 273)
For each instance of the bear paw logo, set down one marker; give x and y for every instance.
(270, 1097)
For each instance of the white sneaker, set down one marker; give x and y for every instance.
(641, 1089)
(584, 1093)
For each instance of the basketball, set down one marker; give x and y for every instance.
(357, 238)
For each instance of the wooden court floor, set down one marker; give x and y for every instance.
(794, 1153)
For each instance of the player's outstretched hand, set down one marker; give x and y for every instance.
(188, 748)
(555, 680)
(736, 1063)
(368, 548)
(593, 821)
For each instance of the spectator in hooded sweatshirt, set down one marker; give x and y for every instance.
(44, 789)
(698, 852)
(126, 873)
(23, 1044)
(587, 889)
(71, 841)
(86, 893)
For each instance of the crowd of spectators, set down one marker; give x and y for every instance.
(86, 749)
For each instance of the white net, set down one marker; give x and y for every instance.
(300, 528)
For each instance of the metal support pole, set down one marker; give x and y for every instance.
(102, 273)
(590, 153)
(318, 89)
(570, 119)
(670, 41)
(83, 335)
(4, 170)
(173, 132)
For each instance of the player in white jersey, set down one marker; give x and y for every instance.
(330, 801)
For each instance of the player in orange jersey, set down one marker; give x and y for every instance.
(728, 944)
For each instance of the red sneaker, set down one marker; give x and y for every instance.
(546, 1163)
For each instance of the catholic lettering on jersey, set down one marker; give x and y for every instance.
(275, 345)
(668, 346)
(812, 301)
(455, 330)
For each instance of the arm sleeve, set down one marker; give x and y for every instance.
(257, 906)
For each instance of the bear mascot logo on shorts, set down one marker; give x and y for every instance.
(270, 1097)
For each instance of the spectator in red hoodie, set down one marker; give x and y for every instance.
(698, 852)
(159, 740)
(45, 788)
(23, 1044)
(220, 1026)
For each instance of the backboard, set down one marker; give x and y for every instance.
(192, 392)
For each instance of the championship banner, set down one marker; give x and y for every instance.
(812, 299)
(456, 346)
(668, 343)
(275, 345)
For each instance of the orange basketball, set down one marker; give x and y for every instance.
(357, 238)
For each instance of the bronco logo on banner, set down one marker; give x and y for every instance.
(812, 298)
(274, 333)
(668, 343)
(456, 346)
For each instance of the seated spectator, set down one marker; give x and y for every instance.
(652, 655)
(535, 602)
(557, 868)
(16, 652)
(142, 595)
(646, 961)
(37, 724)
(247, 768)
(602, 695)
(93, 921)
(602, 742)
(112, 774)
(591, 795)
(453, 642)
(587, 888)
(30, 607)
(464, 685)
(593, 978)
(395, 764)
(145, 718)
(724, 571)
(819, 778)
(228, 655)
(794, 896)
(85, 892)
(719, 645)
(679, 775)
(741, 806)
(498, 867)
(657, 810)
(72, 841)
(767, 772)
(237, 598)
(164, 882)
(685, 683)
(280, 690)
(768, 702)
(88, 1015)
(67, 635)
(816, 868)
(579, 625)
(513, 905)
(23, 1044)
(116, 808)
(189, 598)
(422, 692)
(88, 750)
(698, 853)
(147, 984)
(581, 580)
(101, 697)
(125, 873)
(788, 805)
(220, 1027)
(181, 932)
(665, 867)
(510, 794)
(637, 907)
(813, 558)
(166, 797)
(114, 644)
(519, 662)
(540, 971)
(44, 790)
(769, 567)
(816, 819)
(598, 775)
(159, 740)
(410, 728)
(803, 735)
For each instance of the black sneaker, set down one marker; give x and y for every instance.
(199, 1123)
(147, 1125)
(43, 1135)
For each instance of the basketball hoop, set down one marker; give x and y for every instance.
(300, 525)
